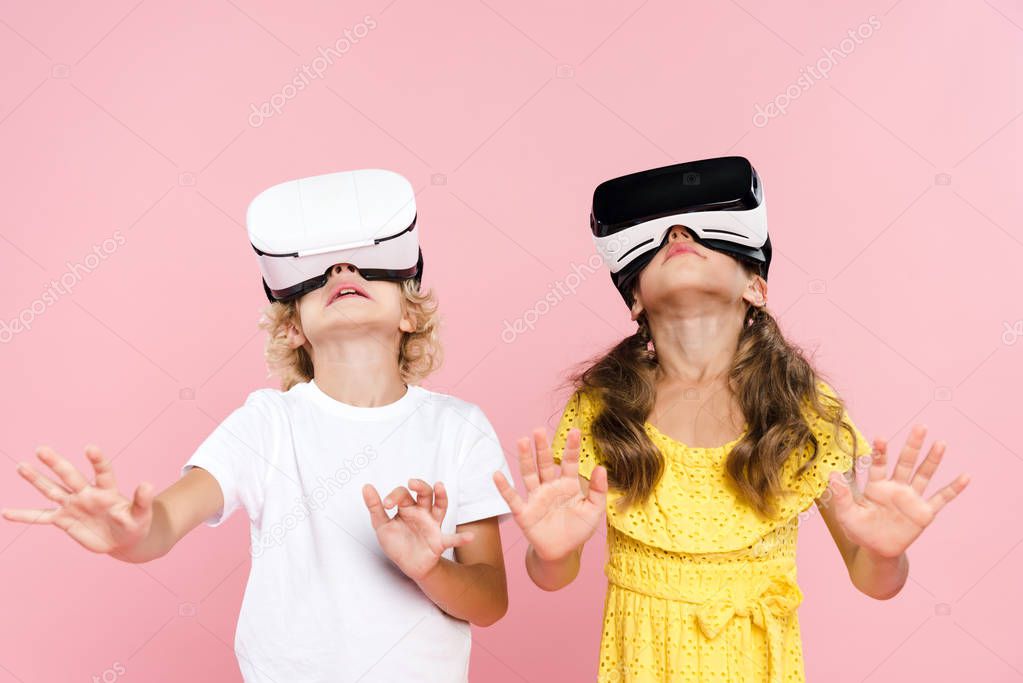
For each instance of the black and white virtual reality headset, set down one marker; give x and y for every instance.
(720, 200)
(301, 228)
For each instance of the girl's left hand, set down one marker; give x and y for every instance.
(412, 539)
(891, 513)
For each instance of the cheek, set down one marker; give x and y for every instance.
(643, 282)
(305, 319)
(726, 271)
(387, 299)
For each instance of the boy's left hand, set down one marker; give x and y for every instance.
(891, 513)
(412, 539)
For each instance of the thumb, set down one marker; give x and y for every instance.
(841, 494)
(457, 539)
(142, 505)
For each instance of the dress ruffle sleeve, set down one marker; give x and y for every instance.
(579, 412)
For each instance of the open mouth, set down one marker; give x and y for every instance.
(346, 292)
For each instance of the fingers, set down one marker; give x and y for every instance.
(72, 478)
(377, 514)
(909, 453)
(923, 474)
(947, 493)
(879, 461)
(527, 464)
(548, 469)
(570, 456)
(424, 493)
(597, 491)
(101, 465)
(440, 502)
(400, 496)
(510, 495)
(58, 494)
(29, 516)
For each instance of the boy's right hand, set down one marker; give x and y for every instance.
(556, 517)
(96, 515)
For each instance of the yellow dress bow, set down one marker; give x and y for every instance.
(767, 607)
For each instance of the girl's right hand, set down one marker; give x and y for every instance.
(96, 515)
(556, 517)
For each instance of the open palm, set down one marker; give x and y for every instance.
(96, 515)
(556, 518)
(413, 539)
(892, 512)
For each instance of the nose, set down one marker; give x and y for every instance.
(339, 268)
(679, 232)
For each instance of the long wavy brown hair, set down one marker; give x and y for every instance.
(419, 353)
(772, 380)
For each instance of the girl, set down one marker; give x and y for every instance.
(338, 590)
(705, 435)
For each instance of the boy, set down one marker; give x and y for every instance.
(339, 590)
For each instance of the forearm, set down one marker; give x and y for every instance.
(477, 593)
(879, 577)
(552, 575)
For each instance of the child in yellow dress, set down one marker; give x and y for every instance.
(716, 436)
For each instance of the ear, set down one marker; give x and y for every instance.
(637, 305)
(407, 323)
(294, 336)
(756, 291)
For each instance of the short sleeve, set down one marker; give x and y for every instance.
(237, 454)
(579, 412)
(835, 451)
(478, 497)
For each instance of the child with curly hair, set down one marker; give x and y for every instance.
(339, 589)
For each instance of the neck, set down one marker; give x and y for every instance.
(360, 371)
(696, 346)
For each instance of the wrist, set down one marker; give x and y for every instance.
(877, 557)
(126, 553)
(553, 558)
(426, 574)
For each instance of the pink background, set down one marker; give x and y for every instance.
(894, 194)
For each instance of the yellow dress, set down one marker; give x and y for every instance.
(700, 586)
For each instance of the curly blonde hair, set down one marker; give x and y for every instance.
(419, 353)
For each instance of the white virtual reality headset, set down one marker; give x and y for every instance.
(301, 228)
(720, 200)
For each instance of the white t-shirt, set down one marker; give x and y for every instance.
(323, 602)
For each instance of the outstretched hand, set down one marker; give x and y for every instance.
(555, 517)
(412, 539)
(96, 515)
(892, 512)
